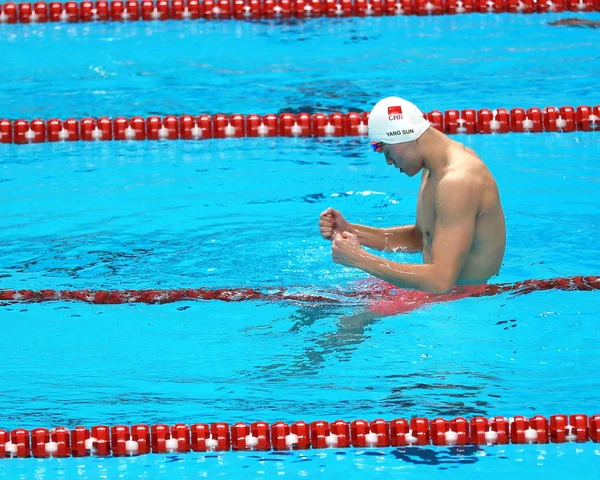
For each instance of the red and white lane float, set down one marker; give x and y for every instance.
(161, 10)
(375, 293)
(566, 119)
(142, 439)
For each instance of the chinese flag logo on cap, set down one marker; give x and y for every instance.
(393, 110)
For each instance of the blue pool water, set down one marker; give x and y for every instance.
(243, 213)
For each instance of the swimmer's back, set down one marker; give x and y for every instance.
(489, 240)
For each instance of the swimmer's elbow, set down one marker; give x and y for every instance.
(440, 289)
(440, 285)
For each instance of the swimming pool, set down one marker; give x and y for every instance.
(241, 213)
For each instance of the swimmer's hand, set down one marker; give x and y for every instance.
(331, 222)
(346, 250)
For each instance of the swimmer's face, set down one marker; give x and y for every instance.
(403, 156)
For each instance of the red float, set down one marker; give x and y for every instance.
(20, 438)
(101, 444)
(4, 442)
(25, 11)
(569, 118)
(247, 9)
(86, 12)
(539, 424)
(460, 122)
(489, 6)
(585, 119)
(181, 433)
(160, 435)
(459, 6)
(420, 431)
(479, 428)
(155, 11)
(438, 430)
(231, 126)
(559, 120)
(40, 437)
(220, 433)
(102, 12)
(520, 6)
(291, 125)
(239, 434)
(534, 117)
(195, 128)
(526, 121)
(307, 8)
(580, 429)
(266, 126)
(126, 11)
(302, 432)
(500, 426)
(162, 129)
(428, 7)
(79, 442)
(41, 11)
(214, 9)
(501, 121)
(141, 435)
(60, 436)
(551, 6)
(277, 9)
(328, 125)
(340, 434)
(356, 123)
(10, 12)
(199, 433)
(580, 5)
(338, 8)
(121, 128)
(460, 426)
(6, 131)
(262, 432)
(119, 436)
(436, 119)
(319, 431)
(382, 429)
(399, 430)
(135, 129)
(370, 8)
(594, 430)
(280, 432)
(359, 429)
(29, 132)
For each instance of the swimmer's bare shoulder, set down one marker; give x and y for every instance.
(467, 170)
(465, 160)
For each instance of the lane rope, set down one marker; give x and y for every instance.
(141, 439)
(160, 10)
(564, 119)
(377, 292)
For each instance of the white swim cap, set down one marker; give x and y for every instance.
(395, 120)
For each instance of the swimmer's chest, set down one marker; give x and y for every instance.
(426, 208)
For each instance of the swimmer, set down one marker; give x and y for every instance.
(460, 227)
(575, 22)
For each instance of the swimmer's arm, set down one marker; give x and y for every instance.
(456, 210)
(407, 238)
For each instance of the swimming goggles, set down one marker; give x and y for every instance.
(377, 146)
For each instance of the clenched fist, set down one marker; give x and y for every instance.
(331, 222)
